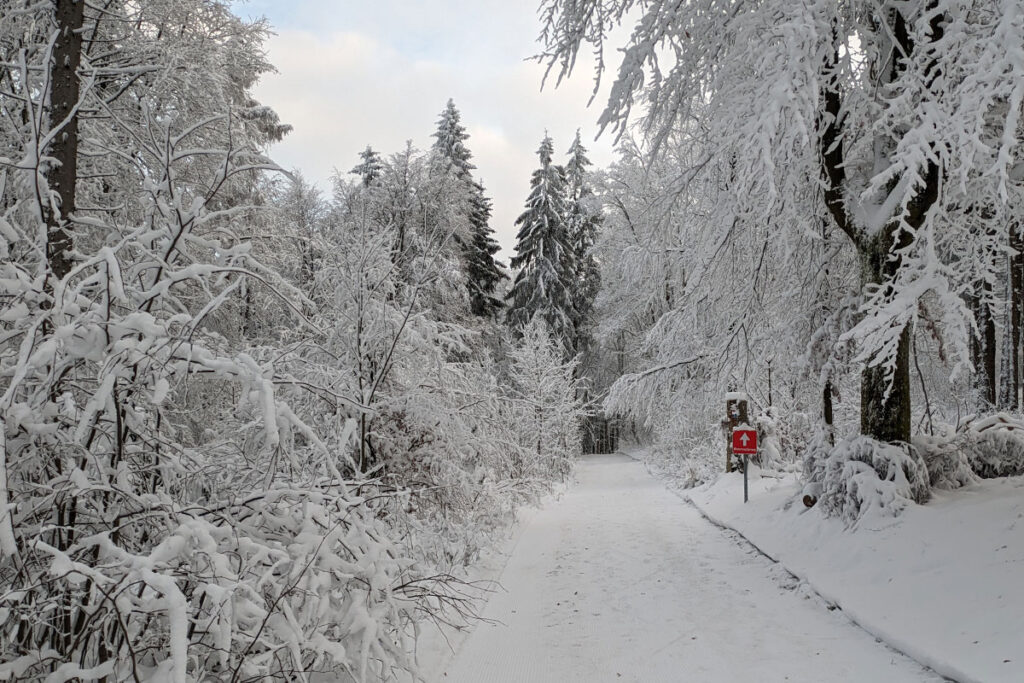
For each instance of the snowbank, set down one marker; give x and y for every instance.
(944, 582)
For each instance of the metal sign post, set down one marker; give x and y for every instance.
(744, 442)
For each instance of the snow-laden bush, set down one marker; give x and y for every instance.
(994, 446)
(546, 404)
(688, 447)
(179, 499)
(461, 447)
(692, 463)
(862, 476)
(814, 461)
(275, 585)
(945, 458)
(769, 448)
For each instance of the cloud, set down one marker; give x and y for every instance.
(385, 84)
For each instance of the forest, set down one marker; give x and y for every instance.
(253, 430)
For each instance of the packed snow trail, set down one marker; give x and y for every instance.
(620, 580)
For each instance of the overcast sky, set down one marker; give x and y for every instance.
(379, 72)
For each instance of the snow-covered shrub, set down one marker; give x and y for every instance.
(547, 405)
(178, 497)
(994, 446)
(463, 461)
(864, 477)
(795, 429)
(689, 463)
(815, 458)
(688, 446)
(282, 582)
(769, 444)
(945, 458)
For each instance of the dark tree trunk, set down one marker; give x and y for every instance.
(885, 401)
(1016, 298)
(987, 324)
(826, 410)
(64, 94)
(983, 346)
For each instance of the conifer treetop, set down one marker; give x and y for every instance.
(544, 256)
(449, 141)
(371, 166)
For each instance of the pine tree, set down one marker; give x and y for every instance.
(582, 221)
(371, 166)
(483, 273)
(544, 256)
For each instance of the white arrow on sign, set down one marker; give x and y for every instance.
(744, 439)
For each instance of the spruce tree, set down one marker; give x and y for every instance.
(583, 220)
(371, 166)
(449, 143)
(484, 272)
(451, 155)
(544, 255)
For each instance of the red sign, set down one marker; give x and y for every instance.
(744, 441)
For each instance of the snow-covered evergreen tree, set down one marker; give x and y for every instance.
(449, 143)
(370, 166)
(583, 220)
(544, 259)
(483, 272)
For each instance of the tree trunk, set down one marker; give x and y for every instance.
(885, 406)
(826, 410)
(64, 94)
(987, 356)
(1016, 301)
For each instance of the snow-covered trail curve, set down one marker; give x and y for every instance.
(620, 580)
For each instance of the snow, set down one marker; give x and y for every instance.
(621, 580)
(736, 396)
(942, 582)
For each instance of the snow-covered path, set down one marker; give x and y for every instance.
(621, 580)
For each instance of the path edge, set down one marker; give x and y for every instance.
(947, 671)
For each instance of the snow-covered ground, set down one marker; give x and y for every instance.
(943, 583)
(621, 580)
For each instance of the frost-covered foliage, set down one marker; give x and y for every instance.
(681, 332)
(769, 443)
(862, 477)
(546, 394)
(980, 448)
(147, 543)
(245, 433)
(687, 457)
(994, 446)
(843, 178)
(944, 456)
